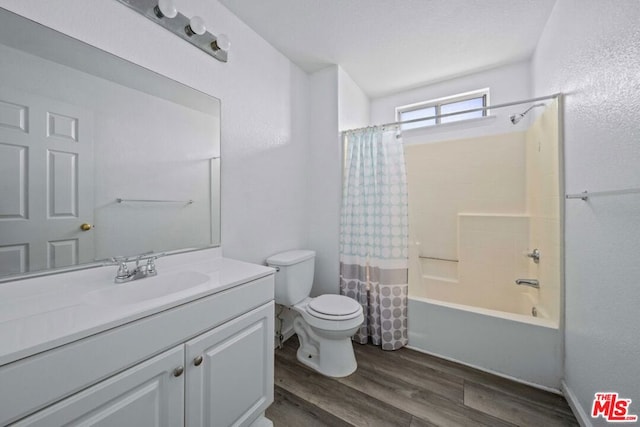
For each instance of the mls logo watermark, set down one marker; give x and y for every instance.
(612, 408)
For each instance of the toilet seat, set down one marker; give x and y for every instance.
(330, 322)
(333, 307)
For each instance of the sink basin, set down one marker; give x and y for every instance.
(150, 288)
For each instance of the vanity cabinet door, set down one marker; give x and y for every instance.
(148, 394)
(230, 371)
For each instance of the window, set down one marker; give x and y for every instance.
(448, 105)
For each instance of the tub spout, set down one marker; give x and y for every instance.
(528, 282)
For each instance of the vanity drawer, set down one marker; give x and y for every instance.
(40, 380)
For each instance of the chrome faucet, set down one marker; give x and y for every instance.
(528, 282)
(534, 255)
(139, 272)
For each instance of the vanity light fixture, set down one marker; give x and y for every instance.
(196, 26)
(221, 43)
(165, 9)
(193, 30)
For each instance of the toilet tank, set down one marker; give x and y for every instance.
(295, 276)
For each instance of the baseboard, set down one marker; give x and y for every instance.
(489, 371)
(262, 421)
(577, 410)
(288, 333)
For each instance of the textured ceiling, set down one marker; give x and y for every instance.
(391, 45)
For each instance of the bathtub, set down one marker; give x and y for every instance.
(522, 347)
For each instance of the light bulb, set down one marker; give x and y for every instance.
(221, 43)
(166, 8)
(196, 26)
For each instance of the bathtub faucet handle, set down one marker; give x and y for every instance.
(535, 255)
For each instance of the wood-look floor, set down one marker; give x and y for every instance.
(406, 388)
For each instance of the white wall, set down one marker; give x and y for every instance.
(265, 102)
(337, 103)
(323, 169)
(353, 104)
(507, 83)
(590, 50)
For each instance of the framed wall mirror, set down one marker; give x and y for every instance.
(99, 157)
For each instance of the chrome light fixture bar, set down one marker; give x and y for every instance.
(193, 30)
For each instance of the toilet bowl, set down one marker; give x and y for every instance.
(324, 324)
(325, 339)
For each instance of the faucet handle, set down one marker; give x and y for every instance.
(123, 270)
(534, 255)
(151, 265)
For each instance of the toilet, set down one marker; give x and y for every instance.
(324, 324)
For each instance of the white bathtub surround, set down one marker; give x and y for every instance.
(467, 215)
(374, 234)
(544, 190)
(523, 348)
(478, 206)
(476, 215)
(483, 273)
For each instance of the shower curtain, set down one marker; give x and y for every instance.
(374, 234)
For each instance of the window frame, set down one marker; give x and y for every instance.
(438, 103)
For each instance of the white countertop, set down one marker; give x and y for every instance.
(43, 313)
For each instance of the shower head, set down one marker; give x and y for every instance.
(515, 118)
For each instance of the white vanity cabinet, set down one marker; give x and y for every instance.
(208, 362)
(230, 371)
(148, 394)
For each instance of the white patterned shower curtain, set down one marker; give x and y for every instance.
(374, 234)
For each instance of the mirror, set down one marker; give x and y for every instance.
(99, 157)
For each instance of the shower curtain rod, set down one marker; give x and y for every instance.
(473, 110)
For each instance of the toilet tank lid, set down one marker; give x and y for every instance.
(290, 257)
